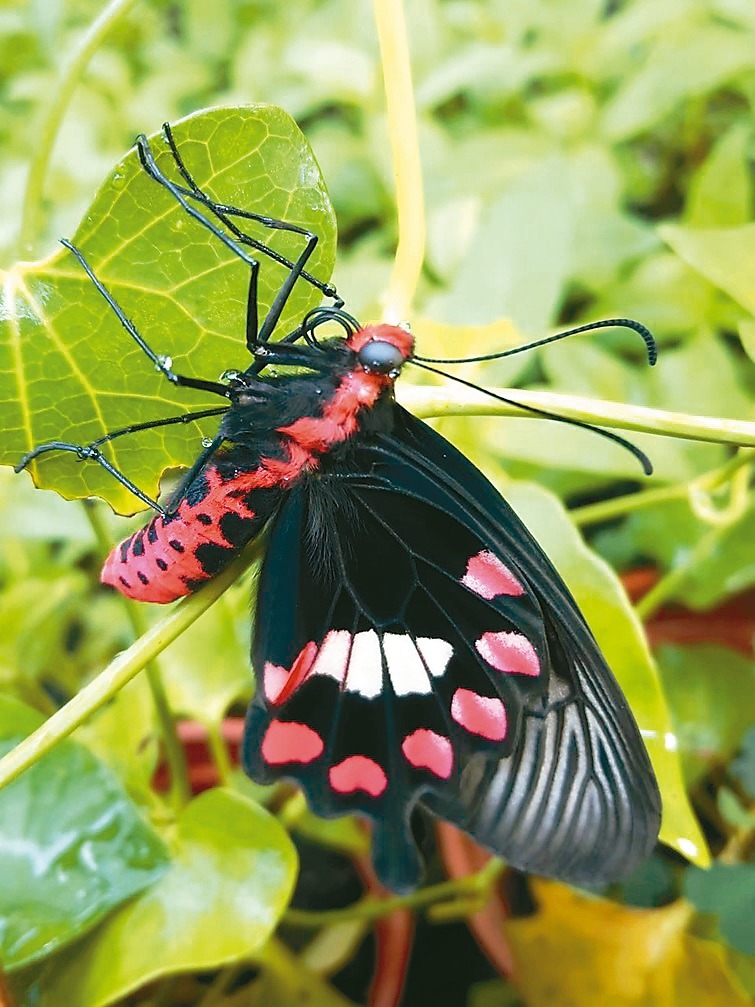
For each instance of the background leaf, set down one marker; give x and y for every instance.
(705, 685)
(624, 957)
(231, 877)
(72, 846)
(728, 890)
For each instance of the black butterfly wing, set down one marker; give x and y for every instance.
(413, 644)
(577, 798)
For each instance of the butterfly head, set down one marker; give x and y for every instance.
(382, 349)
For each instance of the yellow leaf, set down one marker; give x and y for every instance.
(579, 949)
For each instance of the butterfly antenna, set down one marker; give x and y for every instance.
(623, 323)
(642, 458)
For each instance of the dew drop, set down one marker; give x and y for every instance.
(688, 848)
(206, 442)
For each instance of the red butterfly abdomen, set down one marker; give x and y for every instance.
(172, 556)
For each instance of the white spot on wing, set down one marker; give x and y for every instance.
(365, 673)
(437, 654)
(333, 657)
(356, 662)
(409, 663)
(405, 667)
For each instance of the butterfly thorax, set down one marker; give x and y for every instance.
(278, 429)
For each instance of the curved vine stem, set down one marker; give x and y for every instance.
(708, 482)
(53, 117)
(119, 672)
(426, 400)
(459, 897)
(405, 157)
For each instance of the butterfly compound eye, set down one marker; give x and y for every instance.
(381, 357)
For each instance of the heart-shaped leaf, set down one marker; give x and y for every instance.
(69, 371)
(230, 880)
(72, 846)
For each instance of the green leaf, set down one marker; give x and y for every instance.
(733, 812)
(72, 846)
(125, 736)
(720, 193)
(527, 232)
(728, 891)
(619, 633)
(718, 54)
(231, 878)
(207, 668)
(69, 370)
(725, 256)
(347, 834)
(705, 685)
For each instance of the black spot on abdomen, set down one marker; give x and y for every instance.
(236, 529)
(137, 547)
(213, 558)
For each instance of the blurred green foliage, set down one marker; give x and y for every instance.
(581, 160)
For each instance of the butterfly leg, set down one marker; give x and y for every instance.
(92, 452)
(162, 364)
(223, 212)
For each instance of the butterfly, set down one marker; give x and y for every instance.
(413, 646)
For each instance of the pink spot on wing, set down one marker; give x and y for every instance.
(488, 577)
(479, 714)
(510, 653)
(274, 679)
(357, 772)
(425, 749)
(283, 690)
(288, 741)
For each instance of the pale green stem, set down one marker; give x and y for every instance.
(180, 787)
(47, 134)
(477, 886)
(607, 510)
(405, 156)
(219, 752)
(119, 672)
(174, 754)
(456, 401)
